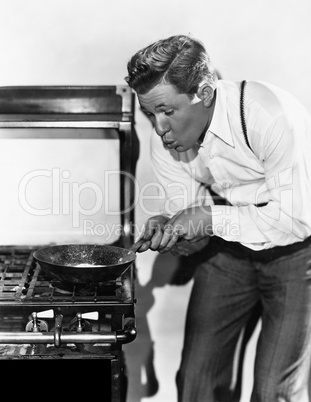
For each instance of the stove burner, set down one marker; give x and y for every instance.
(22, 280)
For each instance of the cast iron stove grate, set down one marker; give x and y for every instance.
(22, 281)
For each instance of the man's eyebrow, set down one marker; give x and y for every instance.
(161, 105)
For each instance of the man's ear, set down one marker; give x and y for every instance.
(206, 94)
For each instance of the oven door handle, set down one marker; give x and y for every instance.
(127, 335)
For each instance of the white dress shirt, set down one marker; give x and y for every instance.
(277, 173)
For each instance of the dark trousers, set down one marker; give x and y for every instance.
(225, 292)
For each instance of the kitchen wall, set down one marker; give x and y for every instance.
(76, 42)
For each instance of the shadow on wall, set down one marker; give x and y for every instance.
(139, 356)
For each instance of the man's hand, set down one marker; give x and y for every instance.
(162, 233)
(152, 234)
(191, 224)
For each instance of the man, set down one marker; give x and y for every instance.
(250, 145)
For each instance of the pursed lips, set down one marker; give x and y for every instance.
(170, 144)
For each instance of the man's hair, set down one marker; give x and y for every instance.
(179, 60)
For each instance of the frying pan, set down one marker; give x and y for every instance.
(84, 263)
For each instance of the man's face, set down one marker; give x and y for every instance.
(177, 119)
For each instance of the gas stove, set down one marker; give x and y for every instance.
(27, 294)
(42, 320)
(39, 318)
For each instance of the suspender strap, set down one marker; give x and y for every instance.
(242, 114)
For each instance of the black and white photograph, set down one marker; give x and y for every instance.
(155, 208)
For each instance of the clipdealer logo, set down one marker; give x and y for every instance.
(67, 195)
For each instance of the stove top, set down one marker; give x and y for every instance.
(58, 315)
(23, 284)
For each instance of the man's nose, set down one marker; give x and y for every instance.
(161, 126)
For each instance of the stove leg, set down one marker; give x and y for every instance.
(124, 380)
(118, 379)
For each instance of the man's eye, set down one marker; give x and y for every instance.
(169, 112)
(148, 114)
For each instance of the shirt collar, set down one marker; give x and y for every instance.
(220, 125)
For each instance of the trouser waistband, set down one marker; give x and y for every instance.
(239, 251)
